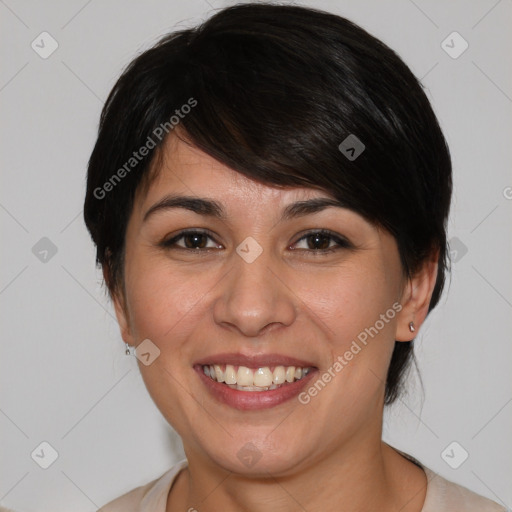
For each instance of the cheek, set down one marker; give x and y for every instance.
(162, 300)
(349, 300)
(166, 306)
(355, 307)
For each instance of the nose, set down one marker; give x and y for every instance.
(254, 298)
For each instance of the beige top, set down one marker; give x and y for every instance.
(442, 496)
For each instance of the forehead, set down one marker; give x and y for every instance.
(186, 169)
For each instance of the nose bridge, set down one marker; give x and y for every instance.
(252, 296)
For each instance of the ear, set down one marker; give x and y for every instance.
(121, 311)
(415, 299)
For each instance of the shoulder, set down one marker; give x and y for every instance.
(151, 496)
(443, 495)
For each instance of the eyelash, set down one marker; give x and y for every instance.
(341, 242)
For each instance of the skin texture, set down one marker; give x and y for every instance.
(288, 301)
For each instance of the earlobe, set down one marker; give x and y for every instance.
(122, 319)
(120, 311)
(416, 300)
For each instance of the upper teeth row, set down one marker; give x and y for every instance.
(262, 377)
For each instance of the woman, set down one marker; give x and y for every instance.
(269, 195)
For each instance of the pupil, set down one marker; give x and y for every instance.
(194, 237)
(321, 237)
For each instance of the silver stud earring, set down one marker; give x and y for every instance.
(411, 327)
(128, 352)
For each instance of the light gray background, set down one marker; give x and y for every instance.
(64, 376)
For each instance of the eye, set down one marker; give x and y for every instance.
(320, 242)
(316, 242)
(192, 239)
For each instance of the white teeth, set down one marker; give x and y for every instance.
(230, 375)
(219, 374)
(250, 388)
(290, 374)
(279, 375)
(262, 379)
(245, 376)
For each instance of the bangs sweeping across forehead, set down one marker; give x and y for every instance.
(272, 92)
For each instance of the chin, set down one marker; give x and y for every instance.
(257, 456)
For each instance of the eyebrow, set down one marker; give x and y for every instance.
(212, 208)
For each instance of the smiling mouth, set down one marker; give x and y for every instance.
(264, 378)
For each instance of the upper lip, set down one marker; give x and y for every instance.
(253, 360)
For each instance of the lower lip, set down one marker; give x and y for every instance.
(252, 400)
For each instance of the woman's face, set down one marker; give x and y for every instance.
(254, 292)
